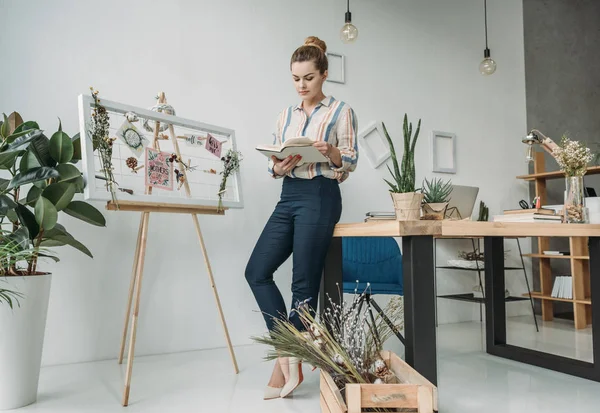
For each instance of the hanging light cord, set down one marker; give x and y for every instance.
(348, 5)
(485, 14)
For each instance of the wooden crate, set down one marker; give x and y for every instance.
(415, 392)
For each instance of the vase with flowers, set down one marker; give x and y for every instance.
(573, 158)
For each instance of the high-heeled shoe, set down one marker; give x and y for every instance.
(295, 376)
(272, 392)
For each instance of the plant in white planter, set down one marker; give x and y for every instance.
(436, 195)
(38, 180)
(407, 202)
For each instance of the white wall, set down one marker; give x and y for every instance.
(227, 63)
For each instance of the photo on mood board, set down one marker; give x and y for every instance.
(159, 171)
(213, 145)
(132, 138)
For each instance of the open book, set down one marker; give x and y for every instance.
(294, 146)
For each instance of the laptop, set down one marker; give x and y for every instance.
(462, 201)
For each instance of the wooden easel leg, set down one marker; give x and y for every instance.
(136, 307)
(214, 288)
(131, 288)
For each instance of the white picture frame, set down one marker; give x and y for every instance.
(378, 150)
(209, 183)
(443, 152)
(337, 68)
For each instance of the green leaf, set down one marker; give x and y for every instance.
(14, 121)
(76, 148)
(59, 239)
(392, 186)
(33, 175)
(4, 184)
(46, 214)
(20, 237)
(61, 147)
(22, 140)
(7, 202)
(5, 128)
(41, 150)
(27, 218)
(86, 213)
(33, 195)
(28, 161)
(60, 194)
(52, 257)
(79, 184)
(7, 159)
(26, 126)
(12, 216)
(58, 229)
(67, 172)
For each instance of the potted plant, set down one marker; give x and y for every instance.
(38, 181)
(436, 195)
(407, 202)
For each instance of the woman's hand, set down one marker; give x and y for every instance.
(323, 147)
(283, 167)
(330, 151)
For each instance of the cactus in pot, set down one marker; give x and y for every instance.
(436, 197)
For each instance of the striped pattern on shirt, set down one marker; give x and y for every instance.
(332, 121)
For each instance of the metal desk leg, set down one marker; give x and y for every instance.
(331, 282)
(419, 305)
(496, 317)
(495, 309)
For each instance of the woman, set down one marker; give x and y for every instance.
(310, 204)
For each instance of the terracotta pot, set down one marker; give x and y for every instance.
(407, 205)
(435, 211)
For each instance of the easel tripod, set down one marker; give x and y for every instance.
(135, 286)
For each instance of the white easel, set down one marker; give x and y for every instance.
(135, 286)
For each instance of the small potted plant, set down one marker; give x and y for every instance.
(436, 195)
(39, 182)
(407, 202)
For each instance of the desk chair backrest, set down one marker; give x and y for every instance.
(376, 260)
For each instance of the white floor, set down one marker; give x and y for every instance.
(203, 381)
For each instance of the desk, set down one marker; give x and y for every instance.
(419, 289)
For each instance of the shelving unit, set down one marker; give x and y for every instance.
(470, 297)
(580, 272)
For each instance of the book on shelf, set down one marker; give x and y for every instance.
(556, 252)
(563, 287)
(300, 145)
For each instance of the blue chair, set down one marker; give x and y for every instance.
(374, 260)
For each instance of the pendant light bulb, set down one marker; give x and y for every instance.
(349, 32)
(487, 65)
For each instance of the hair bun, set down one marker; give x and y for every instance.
(315, 41)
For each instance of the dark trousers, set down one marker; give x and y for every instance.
(302, 223)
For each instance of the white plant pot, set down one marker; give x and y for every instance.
(22, 338)
(407, 205)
